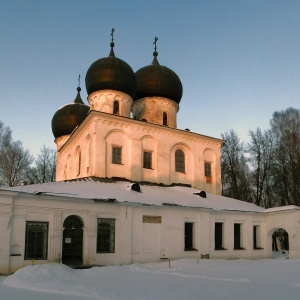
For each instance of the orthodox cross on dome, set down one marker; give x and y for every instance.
(78, 99)
(79, 80)
(112, 44)
(154, 43)
(112, 35)
(155, 61)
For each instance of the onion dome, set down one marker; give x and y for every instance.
(68, 117)
(110, 73)
(156, 80)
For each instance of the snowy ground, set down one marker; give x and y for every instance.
(186, 279)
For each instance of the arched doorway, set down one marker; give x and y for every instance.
(72, 241)
(280, 243)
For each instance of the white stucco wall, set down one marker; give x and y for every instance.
(103, 101)
(289, 220)
(151, 109)
(143, 233)
(5, 232)
(103, 131)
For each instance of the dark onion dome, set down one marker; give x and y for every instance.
(69, 116)
(156, 80)
(110, 73)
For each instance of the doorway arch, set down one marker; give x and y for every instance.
(280, 243)
(72, 241)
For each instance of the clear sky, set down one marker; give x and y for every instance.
(238, 60)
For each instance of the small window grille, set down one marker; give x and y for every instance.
(179, 161)
(219, 236)
(117, 155)
(116, 108)
(147, 163)
(106, 236)
(188, 236)
(165, 118)
(207, 169)
(36, 240)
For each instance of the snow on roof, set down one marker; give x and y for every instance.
(283, 208)
(120, 191)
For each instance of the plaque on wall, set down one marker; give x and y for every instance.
(152, 219)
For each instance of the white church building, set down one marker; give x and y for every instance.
(132, 187)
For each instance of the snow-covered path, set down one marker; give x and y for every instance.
(186, 279)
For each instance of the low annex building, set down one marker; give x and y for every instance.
(132, 187)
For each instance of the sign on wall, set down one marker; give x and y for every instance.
(152, 219)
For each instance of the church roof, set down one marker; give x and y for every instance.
(110, 73)
(68, 117)
(120, 192)
(156, 80)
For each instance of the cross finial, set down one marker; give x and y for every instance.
(78, 88)
(112, 35)
(154, 43)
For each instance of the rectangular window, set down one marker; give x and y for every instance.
(116, 108)
(189, 236)
(36, 240)
(219, 236)
(147, 163)
(106, 236)
(256, 237)
(237, 236)
(116, 155)
(207, 169)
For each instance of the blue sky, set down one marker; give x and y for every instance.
(239, 61)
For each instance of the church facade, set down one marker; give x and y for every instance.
(132, 187)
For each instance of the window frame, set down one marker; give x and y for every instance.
(165, 118)
(116, 155)
(116, 108)
(147, 160)
(207, 169)
(189, 236)
(106, 234)
(257, 237)
(179, 161)
(238, 236)
(78, 161)
(33, 247)
(219, 236)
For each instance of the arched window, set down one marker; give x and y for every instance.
(73, 222)
(116, 107)
(179, 161)
(78, 161)
(165, 118)
(87, 153)
(67, 167)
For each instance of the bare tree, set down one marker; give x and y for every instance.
(45, 166)
(234, 168)
(261, 151)
(15, 162)
(285, 126)
(5, 139)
